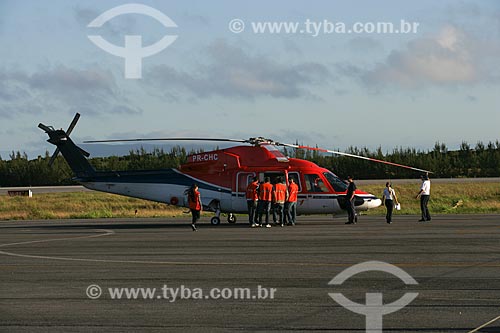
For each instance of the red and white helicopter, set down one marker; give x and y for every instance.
(222, 175)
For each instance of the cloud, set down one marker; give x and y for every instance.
(471, 98)
(5, 12)
(84, 15)
(196, 19)
(450, 57)
(362, 45)
(231, 72)
(291, 47)
(10, 89)
(443, 59)
(92, 91)
(116, 28)
(73, 81)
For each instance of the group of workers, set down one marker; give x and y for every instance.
(264, 198)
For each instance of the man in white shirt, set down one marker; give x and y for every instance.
(425, 194)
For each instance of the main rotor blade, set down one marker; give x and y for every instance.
(44, 127)
(352, 155)
(167, 139)
(73, 124)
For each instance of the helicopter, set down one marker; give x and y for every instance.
(222, 175)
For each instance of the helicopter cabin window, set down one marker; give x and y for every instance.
(315, 184)
(244, 178)
(273, 175)
(296, 179)
(249, 179)
(337, 183)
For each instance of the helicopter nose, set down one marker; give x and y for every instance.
(370, 202)
(373, 203)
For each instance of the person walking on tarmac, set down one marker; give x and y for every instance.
(279, 198)
(252, 195)
(195, 205)
(390, 198)
(351, 212)
(291, 202)
(265, 200)
(424, 194)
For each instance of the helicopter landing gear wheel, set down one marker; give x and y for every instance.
(214, 205)
(231, 218)
(215, 220)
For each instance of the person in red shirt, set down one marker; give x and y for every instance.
(195, 205)
(291, 202)
(265, 200)
(252, 196)
(279, 198)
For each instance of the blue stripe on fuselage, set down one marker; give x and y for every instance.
(161, 176)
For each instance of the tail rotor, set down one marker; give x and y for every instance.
(50, 129)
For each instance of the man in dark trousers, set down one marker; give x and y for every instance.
(279, 197)
(291, 202)
(195, 205)
(351, 212)
(252, 195)
(424, 194)
(265, 199)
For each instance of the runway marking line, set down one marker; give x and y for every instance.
(203, 263)
(107, 232)
(484, 325)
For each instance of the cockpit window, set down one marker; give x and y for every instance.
(315, 184)
(337, 184)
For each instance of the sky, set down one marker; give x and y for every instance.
(439, 83)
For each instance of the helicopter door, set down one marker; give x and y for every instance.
(301, 197)
(319, 198)
(238, 197)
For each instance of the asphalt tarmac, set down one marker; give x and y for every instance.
(47, 268)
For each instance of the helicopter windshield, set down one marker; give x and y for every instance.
(337, 184)
(314, 183)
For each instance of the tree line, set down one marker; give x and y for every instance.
(479, 161)
(482, 160)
